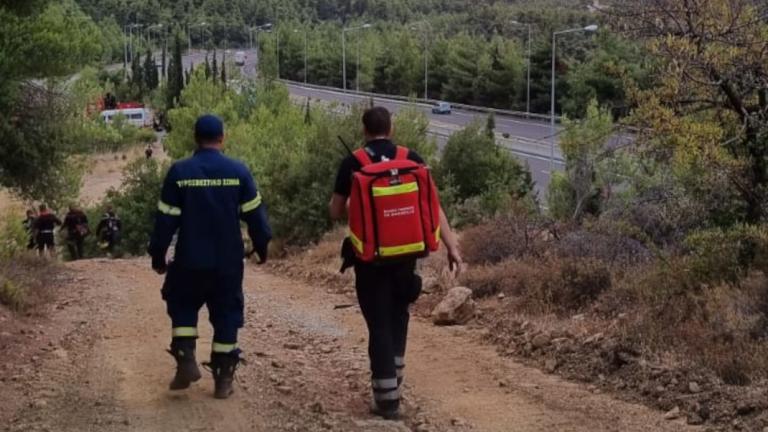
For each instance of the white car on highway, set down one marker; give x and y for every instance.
(240, 58)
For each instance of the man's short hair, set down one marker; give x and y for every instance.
(377, 121)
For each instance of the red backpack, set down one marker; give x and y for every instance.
(394, 209)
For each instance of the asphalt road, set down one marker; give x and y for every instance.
(530, 140)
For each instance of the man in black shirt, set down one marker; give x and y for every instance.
(44, 226)
(76, 224)
(385, 291)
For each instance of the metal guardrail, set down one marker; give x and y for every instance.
(508, 144)
(425, 102)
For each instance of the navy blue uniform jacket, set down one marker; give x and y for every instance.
(205, 197)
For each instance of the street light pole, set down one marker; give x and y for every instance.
(528, 72)
(306, 51)
(589, 29)
(306, 44)
(344, 59)
(277, 43)
(357, 67)
(344, 52)
(257, 29)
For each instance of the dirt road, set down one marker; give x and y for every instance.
(101, 367)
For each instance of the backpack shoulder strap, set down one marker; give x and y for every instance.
(402, 153)
(362, 156)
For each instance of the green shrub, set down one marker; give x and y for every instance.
(12, 294)
(726, 255)
(13, 236)
(483, 179)
(135, 203)
(475, 163)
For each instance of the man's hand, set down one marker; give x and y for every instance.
(455, 263)
(159, 265)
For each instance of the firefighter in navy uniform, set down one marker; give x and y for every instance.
(204, 198)
(385, 290)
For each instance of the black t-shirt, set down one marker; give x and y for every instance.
(378, 149)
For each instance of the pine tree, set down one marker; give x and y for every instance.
(214, 67)
(224, 73)
(490, 125)
(137, 76)
(163, 71)
(307, 114)
(151, 80)
(175, 74)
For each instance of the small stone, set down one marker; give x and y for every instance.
(39, 404)
(540, 341)
(326, 349)
(277, 365)
(594, 338)
(457, 308)
(285, 389)
(317, 408)
(293, 346)
(456, 421)
(695, 419)
(694, 387)
(745, 408)
(672, 414)
(501, 296)
(551, 365)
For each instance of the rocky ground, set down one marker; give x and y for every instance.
(93, 360)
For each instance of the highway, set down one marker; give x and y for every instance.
(529, 140)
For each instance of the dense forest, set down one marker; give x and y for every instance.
(472, 52)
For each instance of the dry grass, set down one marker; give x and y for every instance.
(24, 281)
(513, 235)
(548, 285)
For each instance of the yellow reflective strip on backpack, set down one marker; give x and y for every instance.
(224, 348)
(395, 190)
(168, 209)
(252, 204)
(185, 332)
(356, 242)
(402, 250)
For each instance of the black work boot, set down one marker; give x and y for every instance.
(187, 372)
(388, 410)
(223, 366)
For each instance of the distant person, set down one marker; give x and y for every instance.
(204, 198)
(44, 227)
(29, 226)
(108, 231)
(76, 224)
(149, 151)
(384, 253)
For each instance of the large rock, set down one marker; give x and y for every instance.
(456, 308)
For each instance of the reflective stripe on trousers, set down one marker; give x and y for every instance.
(385, 389)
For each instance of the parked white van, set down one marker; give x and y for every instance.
(139, 117)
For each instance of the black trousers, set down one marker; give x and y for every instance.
(385, 293)
(185, 291)
(75, 246)
(46, 240)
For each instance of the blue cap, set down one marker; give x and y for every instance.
(209, 127)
